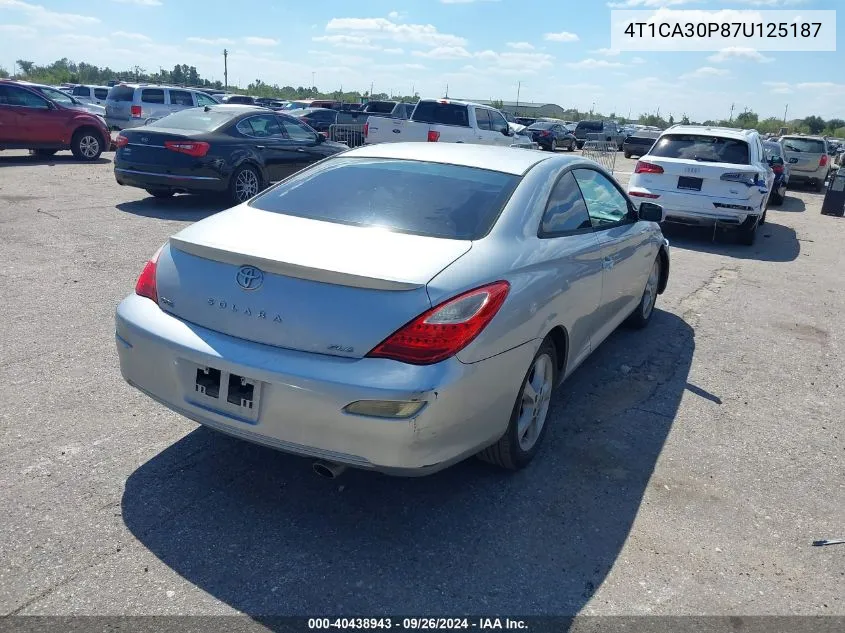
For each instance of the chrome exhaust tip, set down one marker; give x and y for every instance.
(328, 470)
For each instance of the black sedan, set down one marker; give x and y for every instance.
(550, 135)
(231, 149)
(639, 143)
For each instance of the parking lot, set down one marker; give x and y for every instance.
(687, 470)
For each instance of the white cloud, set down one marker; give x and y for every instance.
(261, 41)
(590, 63)
(44, 18)
(779, 87)
(465, 1)
(18, 30)
(358, 42)
(445, 52)
(382, 28)
(738, 52)
(563, 36)
(771, 3)
(637, 60)
(141, 3)
(520, 46)
(648, 4)
(607, 52)
(140, 37)
(393, 51)
(705, 71)
(213, 41)
(529, 63)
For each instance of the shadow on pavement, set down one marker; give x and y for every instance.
(179, 207)
(261, 533)
(774, 243)
(789, 204)
(18, 160)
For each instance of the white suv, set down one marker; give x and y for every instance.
(707, 175)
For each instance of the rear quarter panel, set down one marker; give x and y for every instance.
(386, 130)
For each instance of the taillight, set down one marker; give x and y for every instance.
(121, 141)
(778, 169)
(366, 129)
(146, 284)
(446, 329)
(433, 136)
(135, 111)
(191, 148)
(545, 133)
(823, 160)
(647, 168)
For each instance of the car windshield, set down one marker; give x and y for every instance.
(703, 148)
(420, 198)
(58, 96)
(198, 119)
(771, 150)
(541, 126)
(805, 145)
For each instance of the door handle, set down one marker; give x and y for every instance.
(300, 149)
(260, 147)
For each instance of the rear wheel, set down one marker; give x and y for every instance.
(527, 426)
(819, 186)
(748, 231)
(86, 145)
(571, 147)
(160, 193)
(627, 154)
(645, 308)
(553, 146)
(244, 184)
(778, 195)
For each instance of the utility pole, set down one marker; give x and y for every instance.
(313, 81)
(371, 89)
(518, 90)
(785, 110)
(731, 117)
(447, 91)
(225, 70)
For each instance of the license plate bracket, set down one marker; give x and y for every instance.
(687, 183)
(223, 392)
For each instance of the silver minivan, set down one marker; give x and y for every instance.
(808, 158)
(133, 105)
(90, 94)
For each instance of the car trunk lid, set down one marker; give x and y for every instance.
(684, 175)
(147, 149)
(298, 283)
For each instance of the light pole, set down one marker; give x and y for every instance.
(225, 70)
(785, 110)
(518, 90)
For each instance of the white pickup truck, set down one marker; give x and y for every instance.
(446, 121)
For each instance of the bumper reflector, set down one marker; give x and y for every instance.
(384, 408)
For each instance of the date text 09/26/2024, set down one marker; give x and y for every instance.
(417, 624)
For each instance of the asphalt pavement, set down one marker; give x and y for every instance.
(687, 470)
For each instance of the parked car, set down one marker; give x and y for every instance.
(705, 176)
(808, 159)
(30, 120)
(90, 94)
(773, 151)
(65, 99)
(337, 125)
(312, 103)
(133, 105)
(526, 121)
(229, 149)
(445, 121)
(238, 100)
(604, 130)
(638, 143)
(336, 316)
(550, 136)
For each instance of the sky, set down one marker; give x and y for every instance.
(550, 51)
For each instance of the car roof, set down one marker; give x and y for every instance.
(510, 160)
(714, 130)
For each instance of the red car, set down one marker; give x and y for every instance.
(29, 120)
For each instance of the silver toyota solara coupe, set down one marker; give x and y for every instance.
(398, 307)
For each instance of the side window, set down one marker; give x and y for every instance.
(14, 96)
(101, 93)
(262, 126)
(482, 117)
(498, 122)
(605, 203)
(204, 100)
(181, 98)
(296, 130)
(152, 95)
(566, 210)
(81, 91)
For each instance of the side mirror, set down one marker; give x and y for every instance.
(650, 212)
(320, 138)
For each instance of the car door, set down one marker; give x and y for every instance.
(204, 100)
(569, 246)
(82, 93)
(628, 252)
(180, 100)
(484, 132)
(500, 128)
(10, 130)
(35, 120)
(271, 143)
(153, 104)
(100, 95)
(307, 145)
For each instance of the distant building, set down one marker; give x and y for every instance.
(524, 108)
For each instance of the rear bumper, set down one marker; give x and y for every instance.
(302, 395)
(150, 180)
(819, 175)
(118, 123)
(691, 209)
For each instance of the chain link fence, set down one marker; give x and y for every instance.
(350, 133)
(598, 148)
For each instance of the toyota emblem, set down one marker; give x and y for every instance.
(250, 278)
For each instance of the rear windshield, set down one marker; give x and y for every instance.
(589, 125)
(441, 113)
(806, 145)
(194, 119)
(380, 107)
(430, 199)
(541, 126)
(709, 149)
(121, 93)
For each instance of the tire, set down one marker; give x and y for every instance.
(44, 153)
(641, 315)
(748, 234)
(571, 147)
(160, 193)
(86, 145)
(244, 184)
(776, 198)
(510, 452)
(627, 154)
(553, 146)
(819, 186)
